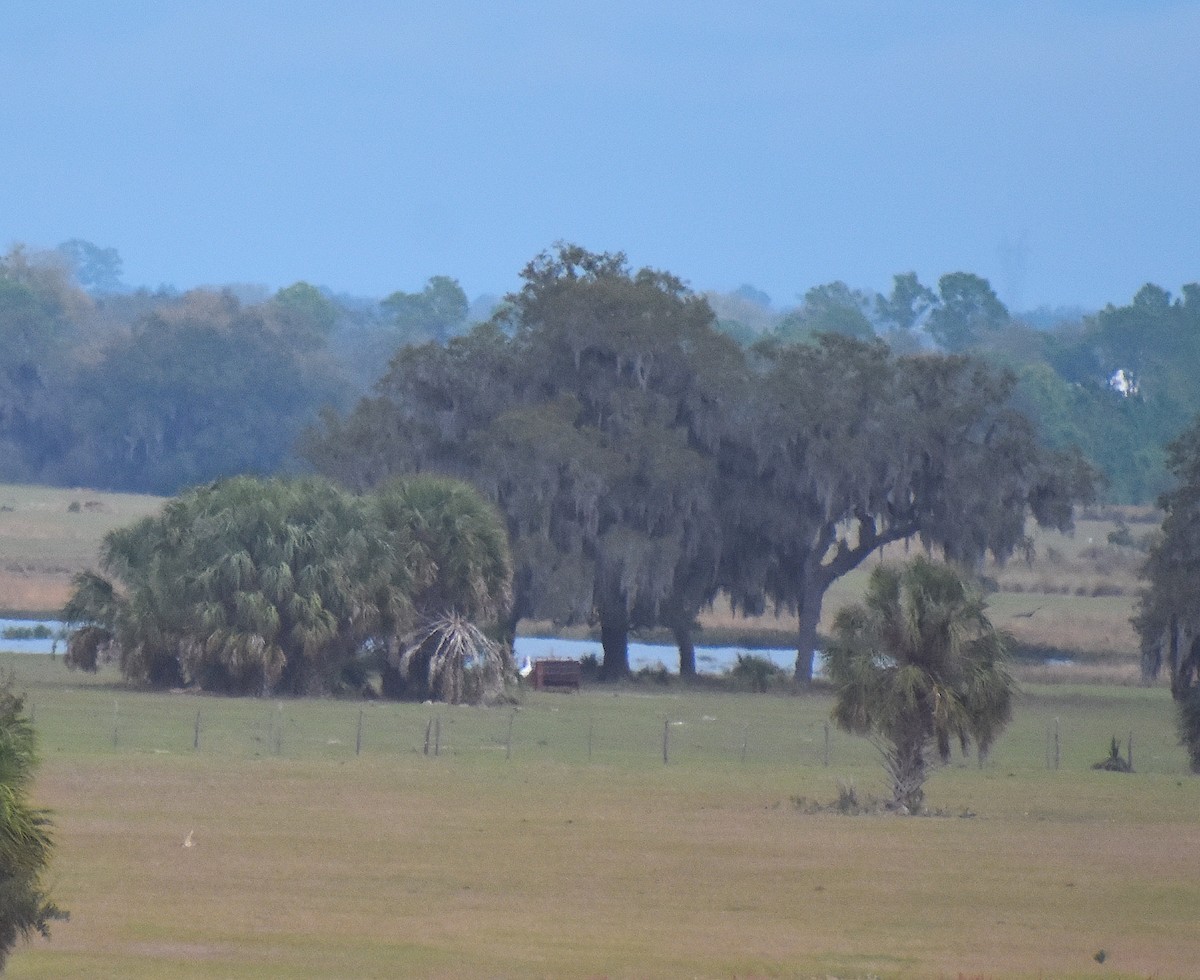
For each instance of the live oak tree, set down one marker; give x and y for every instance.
(573, 412)
(916, 667)
(852, 448)
(1168, 616)
(645, 464)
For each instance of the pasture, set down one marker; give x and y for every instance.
(554, 841)
(47, 534)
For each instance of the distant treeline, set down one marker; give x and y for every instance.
(154, 391)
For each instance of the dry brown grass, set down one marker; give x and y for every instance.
(47, 534)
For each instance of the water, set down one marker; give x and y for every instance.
(31, 646)
(709, 660)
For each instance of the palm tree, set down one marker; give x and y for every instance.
(463, 663)
(460, 542)
(25, 841)
(918, 665)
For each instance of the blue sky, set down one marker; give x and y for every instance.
(365, 146)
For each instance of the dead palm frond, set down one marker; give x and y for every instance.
(463, 662)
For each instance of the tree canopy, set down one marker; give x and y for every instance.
(285, 586)
(1168, 616)
(645, 462)
(156, 390)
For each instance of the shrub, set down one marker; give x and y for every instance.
(756, 673)
(657, 674)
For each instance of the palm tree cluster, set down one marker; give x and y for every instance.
(290, 586)
(918, 665)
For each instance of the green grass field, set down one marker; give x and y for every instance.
(570, 849)
(554, 841)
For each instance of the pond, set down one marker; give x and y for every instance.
(709, 660)
(50, 644)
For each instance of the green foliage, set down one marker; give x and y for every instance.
(1168, 616)
(26, 844)
(307, 315)
(917, 666)
(644, 462)
(968, 310)
(755, 673)
(96, 269)
(206, 390)
(908, 302)
(436, 313)
(277, 586)
(39, 632)
(832, 308)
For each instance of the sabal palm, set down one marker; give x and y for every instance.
(918, 666)
(460, 543)
(26, 843)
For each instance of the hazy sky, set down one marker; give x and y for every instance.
(1050, 146)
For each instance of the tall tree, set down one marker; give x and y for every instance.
(967, 311)
(853, 449)
(436, 313)
(624, 347)
(831, 308)
(917, 666)
(907, 303)
(1168, 616)
(576, 412)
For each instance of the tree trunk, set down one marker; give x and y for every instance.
(908, 771)
(614, 628)
(811, 600)
(614, 638)
(687, 648)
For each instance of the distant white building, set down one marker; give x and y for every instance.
(1124, 382)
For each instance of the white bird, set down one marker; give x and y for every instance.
(187, 841)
